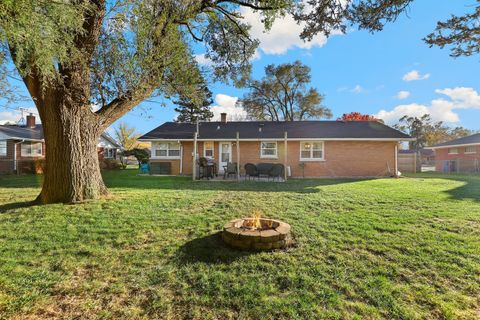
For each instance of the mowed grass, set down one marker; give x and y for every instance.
(366, 249)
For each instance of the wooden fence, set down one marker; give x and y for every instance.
(407, 162)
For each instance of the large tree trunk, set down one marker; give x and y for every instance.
(71, 131)
(71, 136)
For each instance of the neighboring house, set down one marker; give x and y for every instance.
(22, 147)
(107, 147)
(459, 155)
(314, 148)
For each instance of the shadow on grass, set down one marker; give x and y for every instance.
(16, 205)
(209, 249)
(124, 179)
(469, 190)
(128, 179)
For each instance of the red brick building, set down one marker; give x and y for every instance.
(22, 147)
(305, 148)
(459, 155)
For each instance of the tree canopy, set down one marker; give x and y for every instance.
(428, 132)
(325, 16)
(356, 116)
(284, 95)
(134, 49)
(462, 32)
(140, 154)
(126, 136)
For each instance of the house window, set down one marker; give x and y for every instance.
(470, 149)
(109, 153)
(3, 147)
(311, 150)
(452, 150)
(268, 149)
(208, 149)
(167, 150)
(31, 149)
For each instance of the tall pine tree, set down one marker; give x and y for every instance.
(190, 111)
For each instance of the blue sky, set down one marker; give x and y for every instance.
(360, 71)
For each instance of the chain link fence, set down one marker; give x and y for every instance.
(9, 166)
(457, 166)
(412, 162)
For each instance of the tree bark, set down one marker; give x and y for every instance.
(72, 171)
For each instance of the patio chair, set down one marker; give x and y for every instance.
(250, 171)
(263, 169)
(230, 168)
(144, 168)
(276, 171)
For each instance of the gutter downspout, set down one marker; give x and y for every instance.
(181, 159)
(194, 157)
(396, 161)
(238, 156)
(285, 158)
(15, 155)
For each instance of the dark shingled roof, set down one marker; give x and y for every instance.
(275, 130)
(36, 133)
(473, 139)
(23, 132)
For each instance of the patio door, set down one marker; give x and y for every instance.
(225, 150)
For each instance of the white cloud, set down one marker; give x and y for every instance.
(202, 60)
(464, 98)
(284, 34)
(227, 104)
(439, 109)
(415, 75)
(357, 89)
(402, 95)
(14, 116)
(8, 117)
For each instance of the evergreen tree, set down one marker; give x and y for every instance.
(190, 111)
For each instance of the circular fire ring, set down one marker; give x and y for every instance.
(269, 234)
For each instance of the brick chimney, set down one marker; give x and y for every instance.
(223, 117)
(31, 121)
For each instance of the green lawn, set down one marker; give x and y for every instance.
(367, 249)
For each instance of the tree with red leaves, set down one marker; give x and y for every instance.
(356, 116)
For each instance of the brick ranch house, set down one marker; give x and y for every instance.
(458, 155)
(306, 148)
(22, 147)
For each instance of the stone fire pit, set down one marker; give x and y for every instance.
(257, 234)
